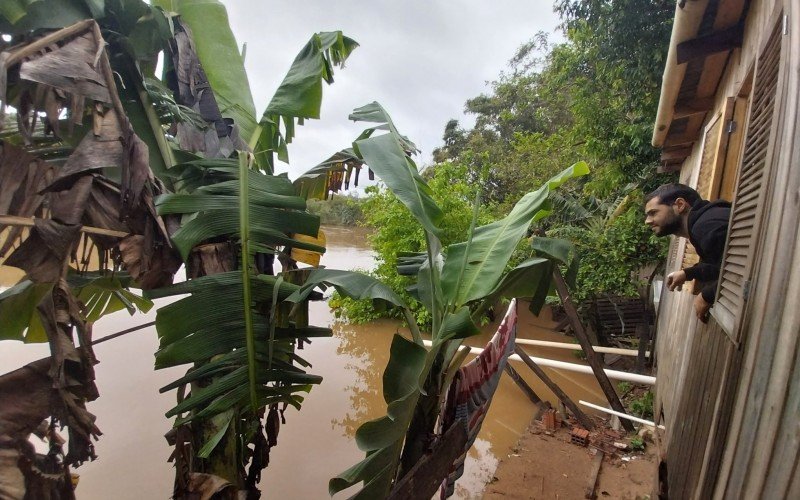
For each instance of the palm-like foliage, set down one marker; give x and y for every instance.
(455, 284)
(232, 326)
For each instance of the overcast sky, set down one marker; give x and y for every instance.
(420, 59)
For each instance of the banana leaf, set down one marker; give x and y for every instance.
(387, 156)
(350, 284)
(220, 57)
(299, 96)
(19, 319)
(493, 244)
(382, 438)
(104, 292)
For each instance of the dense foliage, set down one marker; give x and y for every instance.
(339, 211)
(398, 233)
(592, 97)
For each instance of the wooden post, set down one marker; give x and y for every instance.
(561, 395)
(591, 356)
(644, 342)
(540, 405)
(427, 475)
(593, 473)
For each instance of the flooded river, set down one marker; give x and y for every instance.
(317, 442)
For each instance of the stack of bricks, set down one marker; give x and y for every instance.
(579, 436)
(549, 419)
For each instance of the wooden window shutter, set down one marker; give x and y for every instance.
(712, 162)
(751, 186)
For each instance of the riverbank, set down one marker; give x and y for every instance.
(547, 465)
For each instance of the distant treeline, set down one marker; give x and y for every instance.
(591, 95)
(339, 211)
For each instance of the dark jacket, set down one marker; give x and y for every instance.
(708, 230)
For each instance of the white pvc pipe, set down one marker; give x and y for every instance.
(577, 347)
(620, 414)
(563, 365)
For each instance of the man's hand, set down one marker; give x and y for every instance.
(701, 308)
(676, 280)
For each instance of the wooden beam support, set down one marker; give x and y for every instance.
(15, 220)
(427, 475)
(668, 167)
(595, 360)
(720, 41)
(677, 154)
(693, 107)
(597, 462)
(682, 140)
(528, 390)
(585, 421)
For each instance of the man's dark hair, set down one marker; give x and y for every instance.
(668, 193)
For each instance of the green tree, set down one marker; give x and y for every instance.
(227, 217)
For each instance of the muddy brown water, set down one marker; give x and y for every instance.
(317, 442)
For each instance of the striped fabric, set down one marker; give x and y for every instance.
(471, 391)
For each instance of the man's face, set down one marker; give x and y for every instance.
(662, 219)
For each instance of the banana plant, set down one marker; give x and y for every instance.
(455, 284)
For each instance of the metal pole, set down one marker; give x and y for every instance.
(577, 347)
(574, 367)
(621, 415)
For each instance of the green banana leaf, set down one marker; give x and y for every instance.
(350, 284)
(21, 16)
(20, 320)
(386, 155)
(273, 215)
(493, 244)
(382, 438)
(107, 294)
(299, 96)
(562, 251)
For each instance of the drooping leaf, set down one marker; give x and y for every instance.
(382, 438)
(18, 312)
(219, 55)
(386, 155)
(221, 422)
(493, 244)
(457, 325)
(107, 294)
(561, 250)
(350, 284)
(299, 96)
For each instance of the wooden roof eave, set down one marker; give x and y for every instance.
(688, 17)
(712, 49)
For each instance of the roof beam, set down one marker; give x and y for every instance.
(685, 139)
(675, 154)
(720, 41)
(694, 107)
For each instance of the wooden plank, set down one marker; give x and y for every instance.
(693, 107)
(705, 388)
(703, 46)
(595, 361)
(677, 154)
(528, 390)
(597, 462)
(561, 395)
(427, 475)
(644, 342)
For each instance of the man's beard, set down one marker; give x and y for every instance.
(672, 226)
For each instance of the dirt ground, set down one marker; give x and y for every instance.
(546, 465)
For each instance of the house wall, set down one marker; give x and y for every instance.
(731, 410)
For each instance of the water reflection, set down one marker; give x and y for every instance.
(316, 443)
(368, 348)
